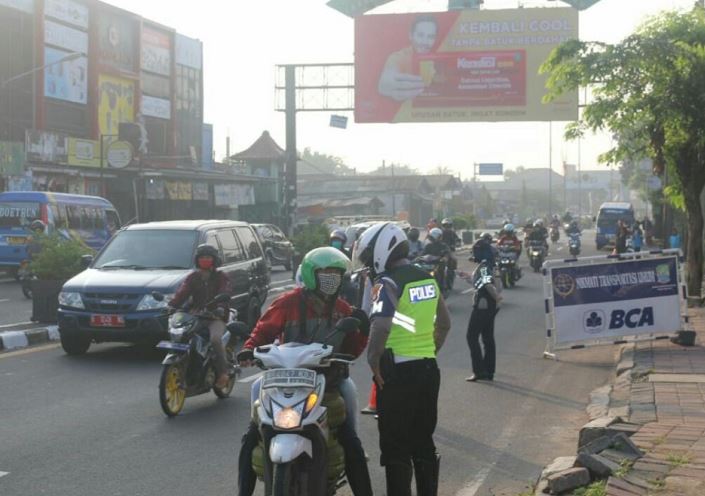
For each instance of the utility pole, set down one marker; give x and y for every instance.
(291, 156)
(550, 169)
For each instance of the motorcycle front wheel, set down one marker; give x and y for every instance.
(287, 482)
(225, 392)
(172, 393)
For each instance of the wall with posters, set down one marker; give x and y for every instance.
(83, 153)
(479, 65)
(67, 80)
(11, 158)
(116, 103)
(117, 41)
(43, 146)
(188, 97)
(156, 51)
(67, 11)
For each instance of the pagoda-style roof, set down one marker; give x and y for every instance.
(265, 148)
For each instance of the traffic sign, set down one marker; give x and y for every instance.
(581, 4)
(119, 154)
(491, 169)
(339, 121)
(354, 8)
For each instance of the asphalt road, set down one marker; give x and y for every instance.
(82, 426)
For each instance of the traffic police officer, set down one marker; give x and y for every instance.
(409, 323)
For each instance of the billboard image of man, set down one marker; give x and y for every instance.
(398, 80)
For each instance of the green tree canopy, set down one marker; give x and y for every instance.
(325, 164)
(397, 169)
(647, 91)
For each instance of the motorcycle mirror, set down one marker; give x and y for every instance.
(157, 296)
(86, 261)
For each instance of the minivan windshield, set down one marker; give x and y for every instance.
(143, 249)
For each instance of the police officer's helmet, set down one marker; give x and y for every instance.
(509, 228)
(435, 233)
(447, 222)
(207, 251)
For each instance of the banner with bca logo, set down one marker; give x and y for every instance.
(614, 299)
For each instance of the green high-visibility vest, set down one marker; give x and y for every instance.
(414, 320)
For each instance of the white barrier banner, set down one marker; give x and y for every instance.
(614, 299)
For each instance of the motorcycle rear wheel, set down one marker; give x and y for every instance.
(172, 394)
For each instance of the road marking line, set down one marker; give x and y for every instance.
(27, 351)
(505, 438)
(250, 378)
(4, 300)
(5, 326)
(3, 474)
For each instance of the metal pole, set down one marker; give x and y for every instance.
(550, 169)
(394, 195)
(102, 161)
(291, 156)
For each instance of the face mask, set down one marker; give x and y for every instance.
(205, 263)
(337, 244)
(329, 283)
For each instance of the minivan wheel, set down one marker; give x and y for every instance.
(254, 311)
(75, 345)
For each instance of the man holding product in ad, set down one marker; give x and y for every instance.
(398, 80)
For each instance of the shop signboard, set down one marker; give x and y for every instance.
(116, 103)
(119, 154)
(207, 147)
(184, 190)
(172, 189)
(116, 41)
(66, 80)
(224, 196)
(11, 158)
(200, 191)
(154, 189)
(189, 52)
(67, 11)
(156, 51)
(156, 107)
(65, 37)
(154, 85)
(43, 146)
(84, 153)
(460, 66)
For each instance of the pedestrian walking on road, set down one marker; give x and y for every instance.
(620, 243)
(409, 324)
(481, 325)
(674, 241)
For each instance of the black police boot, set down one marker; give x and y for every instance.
(426, 473)
(398, 479)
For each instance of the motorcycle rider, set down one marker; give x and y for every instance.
(573, 228)
(450, 237)
(415, 244)
(201, 286)
(437, 248)
(539, 233)
(338, 239)
(307, 314)
(409, 324)
(482, 250)
(509, 239)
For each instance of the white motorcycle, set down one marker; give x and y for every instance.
(298, 413)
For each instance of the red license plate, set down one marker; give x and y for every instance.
(107, 321)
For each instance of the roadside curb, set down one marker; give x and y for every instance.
(14, 340)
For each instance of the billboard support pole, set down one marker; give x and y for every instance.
(550, 169)
(291, 155)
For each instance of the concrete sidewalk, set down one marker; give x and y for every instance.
(666, 396)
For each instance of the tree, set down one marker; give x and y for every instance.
(442, 170)
(648, 92)
(325, 164)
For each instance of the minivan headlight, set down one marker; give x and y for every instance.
(71, 299)
(149, 303)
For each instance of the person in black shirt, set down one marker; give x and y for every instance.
(620, 244)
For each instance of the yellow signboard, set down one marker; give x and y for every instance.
(83, 153)
(116, 103)
(458, 66)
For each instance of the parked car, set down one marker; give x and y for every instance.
(112, 299)
(277, 248)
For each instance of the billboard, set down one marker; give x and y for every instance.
(116, 103)
(116, 41)
(83, 153)
(156, 107)
(156, 51)
(43, 146)
(491, 169)
(66, 80)
(67, 11)
(65, 37)
(612, 299)
(460, 66)
(188, 52)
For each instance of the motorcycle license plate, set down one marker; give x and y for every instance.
(101, 320)
(289, 378)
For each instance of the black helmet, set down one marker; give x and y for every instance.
(413, 234)
(339, 234)
(207, 251)
(38, 225)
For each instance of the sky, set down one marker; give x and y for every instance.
(245, 39)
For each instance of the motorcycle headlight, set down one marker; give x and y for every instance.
(149, 303)
(287, 417)
(71, 299)
(176, 333)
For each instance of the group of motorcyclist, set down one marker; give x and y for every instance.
(402, 327)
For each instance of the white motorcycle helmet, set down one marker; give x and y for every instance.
(377, 243)
(435, 233)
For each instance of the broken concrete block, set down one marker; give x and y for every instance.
(594, 429)
(621, 442)
(567, 480)
(558, 465)
(619, 456)
(599, 466)
(599, 444)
